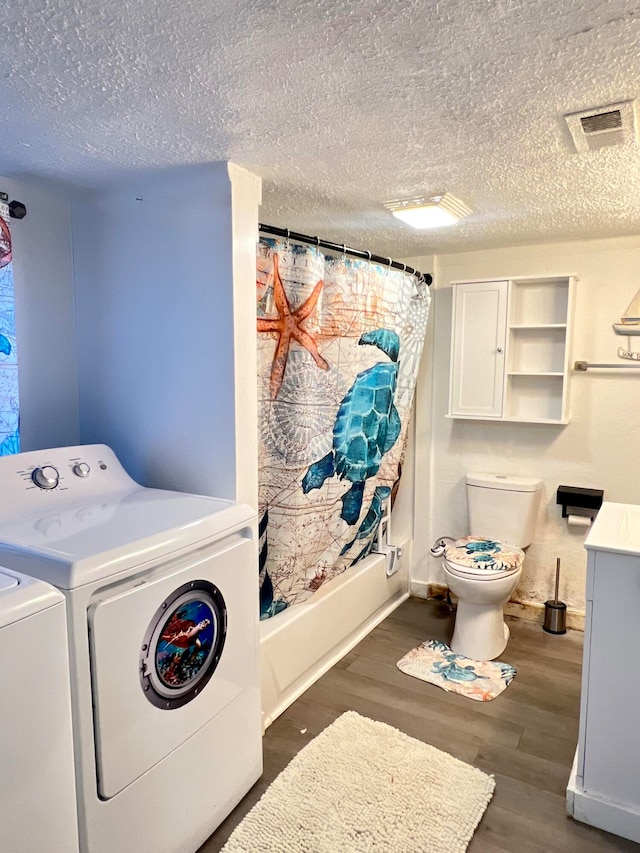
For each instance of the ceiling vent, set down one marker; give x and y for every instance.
(603, 126)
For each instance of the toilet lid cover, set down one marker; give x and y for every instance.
(482, 556)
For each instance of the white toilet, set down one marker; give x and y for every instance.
(483, 570)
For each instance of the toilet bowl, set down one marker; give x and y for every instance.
(482, 573)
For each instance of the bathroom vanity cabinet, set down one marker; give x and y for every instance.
(604, 788)
(510, 349)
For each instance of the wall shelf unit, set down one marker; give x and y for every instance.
(510, 349)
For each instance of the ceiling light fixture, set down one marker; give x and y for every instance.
(434, 212)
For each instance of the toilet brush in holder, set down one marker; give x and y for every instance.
(555, 612)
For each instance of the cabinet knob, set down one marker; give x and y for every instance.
(500, 349)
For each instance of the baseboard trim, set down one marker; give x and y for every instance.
(437, 590)
(617, 818)
(530, 611)
(420, 589)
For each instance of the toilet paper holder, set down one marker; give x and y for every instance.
(576, 500)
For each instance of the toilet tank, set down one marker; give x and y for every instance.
(502, 506)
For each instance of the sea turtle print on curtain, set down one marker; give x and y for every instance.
(366, 427)
(339, 343)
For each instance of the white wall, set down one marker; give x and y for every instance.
(413, 492)
(43, 280)
(158, 367)
(599, 448)
(246, 197)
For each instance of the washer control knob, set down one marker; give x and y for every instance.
(46, 477)
(81, 469)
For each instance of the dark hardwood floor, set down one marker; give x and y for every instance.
(526, 737)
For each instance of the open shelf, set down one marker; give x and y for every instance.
(533, 373)
(549, 421)
(537, 349)
(534, 396)
(539, 301)
(538, 326)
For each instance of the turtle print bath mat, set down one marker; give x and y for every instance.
(434, 662)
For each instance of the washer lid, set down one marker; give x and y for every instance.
(477, 555)
(101, 537)
(504, 481)
(7, 582)
(21, 597)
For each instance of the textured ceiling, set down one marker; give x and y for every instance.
(338, 106)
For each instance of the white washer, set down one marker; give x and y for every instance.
(37, 785)
(162, 604)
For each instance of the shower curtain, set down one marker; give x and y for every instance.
(9, 409)
(339, 343)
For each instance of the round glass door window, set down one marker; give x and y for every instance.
(183, 644)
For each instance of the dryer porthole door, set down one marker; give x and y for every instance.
(183, 644)
(132, 734)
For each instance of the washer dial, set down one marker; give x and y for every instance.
(81, 469)
(46, 477)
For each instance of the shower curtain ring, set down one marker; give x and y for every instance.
(369, 254)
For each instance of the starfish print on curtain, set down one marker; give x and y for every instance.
(5, 244)
(288, 326)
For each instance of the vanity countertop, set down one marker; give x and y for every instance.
(616, 528)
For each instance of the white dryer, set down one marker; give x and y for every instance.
(37, 784)
(162, 603)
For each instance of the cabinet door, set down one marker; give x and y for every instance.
(477, 349)
(611, 750)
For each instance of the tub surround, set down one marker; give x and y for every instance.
(303, 642)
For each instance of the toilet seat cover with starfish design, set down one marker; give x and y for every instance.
(481, 556)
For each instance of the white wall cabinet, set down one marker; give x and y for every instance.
(510, 349)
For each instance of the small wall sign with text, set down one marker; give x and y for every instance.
(629, 326)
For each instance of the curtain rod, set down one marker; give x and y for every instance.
(344, 250)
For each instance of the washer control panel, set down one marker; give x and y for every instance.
(48, 477)
(61, 475)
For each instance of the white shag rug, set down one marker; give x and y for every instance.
(364, 787)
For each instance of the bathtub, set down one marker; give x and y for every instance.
(300, 644)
